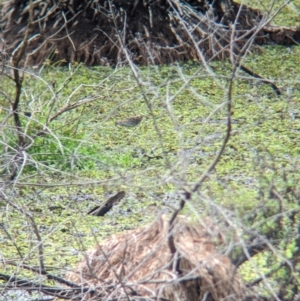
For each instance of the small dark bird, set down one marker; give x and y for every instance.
(106, 206)
(130, 122)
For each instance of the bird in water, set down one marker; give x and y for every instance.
(106, 206)
(130, 122)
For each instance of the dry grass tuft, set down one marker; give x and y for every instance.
(139, 263)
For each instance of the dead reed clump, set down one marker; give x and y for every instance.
(139, 264)
(157, 32)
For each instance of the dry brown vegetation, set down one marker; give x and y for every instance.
(164, 31)
(139, 264)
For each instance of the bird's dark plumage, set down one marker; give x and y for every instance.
(106, 206)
